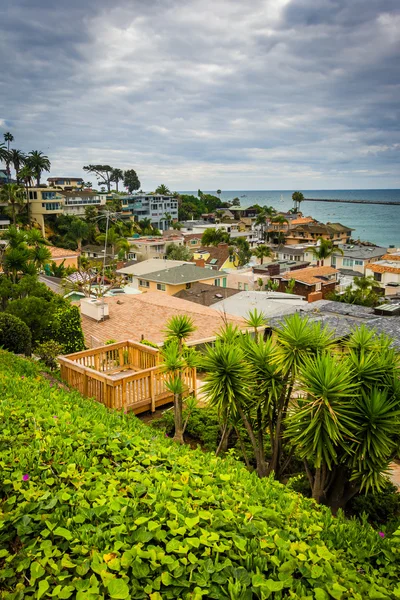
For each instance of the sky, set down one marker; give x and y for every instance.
(264, 94)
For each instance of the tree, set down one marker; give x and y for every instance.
(18, 159)
(167, 218)
(236, 202)
(5, 156)
(262, 252)
(213, 237)
(243, 251)
(297, 198)
(325, 249)
(38, 162)
(163, 190)
(176, 360)
(15, 336)
(117, 176)
(13, 195)
(291, 284)
(104, 174)
(219, 192)
(256, 319)
(26, 174)
(131, 180)
(146, 226)
(8, 137)
(114, 240)
(175, 252)
(78, 231)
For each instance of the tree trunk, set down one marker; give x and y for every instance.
(246, 458)
(260, 458)
(341, 490)
(178, 437)
(319, 484)
(223, 443)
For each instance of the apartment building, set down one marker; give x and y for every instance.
(65, 183)
(161, 210)
(76, 201)
(44, 202)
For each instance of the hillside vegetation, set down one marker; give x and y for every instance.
(96, 505)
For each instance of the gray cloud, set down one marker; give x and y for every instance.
(268, 94)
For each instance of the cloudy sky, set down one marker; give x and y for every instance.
(264, 94)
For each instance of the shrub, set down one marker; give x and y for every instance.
(48, 352)
(97, 505)
(14, 334)
(66, 328)
(382, 510)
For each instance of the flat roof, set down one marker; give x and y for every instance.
(186, 273)
(271, 304)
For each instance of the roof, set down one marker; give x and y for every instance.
(53, 283)
(271, 304)
(96, 249)
(206, 295)
(192, 236)
(343, 318)
(384, 266)
(362, 252)
(65, 177)
(218, 254)
(132, 317)
(302, 220)
(316, 227)
(150, 266)
(186, 273)
(310, 275)
(62, 252)
(391, 256)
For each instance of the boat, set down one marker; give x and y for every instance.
(281, 199)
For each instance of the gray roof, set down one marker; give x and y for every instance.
(183, 274)
(362, 252)
(206, 294)
(344, 318)
(271, 304)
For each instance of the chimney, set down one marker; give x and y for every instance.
(200, 262)
(94, 309)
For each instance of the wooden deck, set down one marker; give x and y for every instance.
(123, 376)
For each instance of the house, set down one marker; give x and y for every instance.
(386, 273)
(97, 253)
(278, 267)
(270, 304)
(132, 273)
(66, 183)
(160, 209)
(297, 252)
(244, 279)
(174, 279)
(356, 257)
(44, 201)
(311, 232)
(217, 258)
(192, 240)
(4, 223)
(205, 294)
(314, 283)
(144, 317)
(143, 248)
(75, 201)
(69, 258)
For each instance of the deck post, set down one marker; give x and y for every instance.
(85, 384)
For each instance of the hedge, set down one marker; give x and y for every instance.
(97, 505)
(14, 334)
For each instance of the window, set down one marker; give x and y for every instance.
(239, 285)
(131, 256)
(51, 205)
(193, 242)
(32, 195)
(333, 261)
(188, 286)
(348, 262)
(378, 276)
(217, 282)
(246, 287)
(359, 262)
(143, 283)
(48, 195)
(161, 287)
(224, 282)
(317, 287)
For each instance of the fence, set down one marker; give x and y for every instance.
(122, 376)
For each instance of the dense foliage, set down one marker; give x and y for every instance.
(15, 336)
(96, 505)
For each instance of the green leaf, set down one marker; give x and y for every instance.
(274, 586)
(320, 594)
(36, 571)
(166, 578)
(117, 588)
(62, 532)
(316, 571)
(43, 587)
(192, 521)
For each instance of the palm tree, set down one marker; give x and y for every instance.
(219, 192)
(4, 153)
(34, 238)
(163, 190)
(39, 162)
(13, 194)
(279, 220)
(78, 231)
(176, 359)
(262, 252)
(18, 159)
(213, 237)
(324, 249)
(117, 176)
(8, 137)
(167, 218)
(39, 255)
(261, 221)
(146, 226)
(297, 198)
(26, 174)
(114, 240)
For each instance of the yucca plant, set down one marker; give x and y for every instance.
(179, 327)
(255, 319)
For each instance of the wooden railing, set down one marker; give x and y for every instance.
(122, 376)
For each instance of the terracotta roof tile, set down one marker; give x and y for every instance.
(146, 314)
(393, 256)
(310, 275)
(377, 268)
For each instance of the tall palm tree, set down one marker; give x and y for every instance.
(39, 162)
(18, 159)
(117, 176)
(26, 174)
(116, 241)
(13, 194)
(39, 255)
(261, 221)
(4, 153)
(297, 198)
(146, 226)
(167, 218)
(8, 137)
(15, 261)
(163, 190)
(324, 250)
(262, 252)
(280, 220)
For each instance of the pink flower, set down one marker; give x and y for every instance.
(22, 377)
(381, 534)
(25, 477)
(55, 417)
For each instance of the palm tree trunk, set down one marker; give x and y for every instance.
(223, 440)
(260, 458)
(14, 218)
(178, 437)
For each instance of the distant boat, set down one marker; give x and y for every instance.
(244, 196)
(281, 200)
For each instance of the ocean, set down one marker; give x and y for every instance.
(371, 222)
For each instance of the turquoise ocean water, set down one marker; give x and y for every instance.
(371, 222)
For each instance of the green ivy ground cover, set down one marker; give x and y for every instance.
(97, 505)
